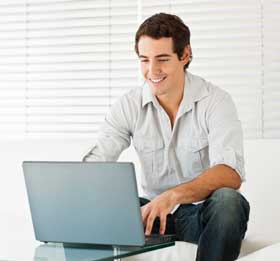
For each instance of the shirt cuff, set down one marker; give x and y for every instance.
(230, 158)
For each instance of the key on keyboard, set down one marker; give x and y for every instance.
(155, 239)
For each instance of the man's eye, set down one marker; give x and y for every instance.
(163, 60)
(144, 61)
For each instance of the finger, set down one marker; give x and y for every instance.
(162, 224)
(149, 225)
(144, 214)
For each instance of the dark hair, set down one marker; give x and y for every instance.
(166, 25)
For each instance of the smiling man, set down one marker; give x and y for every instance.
(189, 140)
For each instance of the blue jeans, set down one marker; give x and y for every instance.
(217, 225)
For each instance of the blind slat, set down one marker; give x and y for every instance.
(64, 62)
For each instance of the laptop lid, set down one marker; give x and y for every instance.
(84, 202)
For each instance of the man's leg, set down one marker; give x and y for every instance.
(218, 225)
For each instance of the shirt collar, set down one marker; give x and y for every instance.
(195, 89)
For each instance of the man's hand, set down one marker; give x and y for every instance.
(160, 207)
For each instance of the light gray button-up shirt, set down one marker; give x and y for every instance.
(206, 132)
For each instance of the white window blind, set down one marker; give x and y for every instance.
(80, 57)
(12, 68)
(64, 62)
(271, 59)
(77, 57)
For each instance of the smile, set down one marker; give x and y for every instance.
(157, 80)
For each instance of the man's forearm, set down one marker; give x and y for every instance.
(210, 180)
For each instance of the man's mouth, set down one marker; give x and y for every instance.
(157, 80)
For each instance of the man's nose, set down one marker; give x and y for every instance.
(154, 68)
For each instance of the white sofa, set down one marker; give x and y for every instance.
(263, 183)
(261, 189)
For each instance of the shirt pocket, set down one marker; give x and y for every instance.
(193, 156)
(151, 153)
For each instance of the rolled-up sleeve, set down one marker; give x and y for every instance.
(225, 135)
(114, 134)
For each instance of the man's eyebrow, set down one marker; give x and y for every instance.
(163, 55)
(157, 56)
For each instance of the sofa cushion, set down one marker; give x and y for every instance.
(270, 253)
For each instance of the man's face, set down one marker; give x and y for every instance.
(160, 66)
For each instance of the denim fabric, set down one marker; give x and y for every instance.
(217, 225)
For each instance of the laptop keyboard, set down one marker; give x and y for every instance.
(156, 239)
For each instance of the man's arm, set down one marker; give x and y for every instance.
(198, 189)
(212, 179)
(114, 135)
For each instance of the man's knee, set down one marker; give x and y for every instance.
(228, 206)
(226, 197)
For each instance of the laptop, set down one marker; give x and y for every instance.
(86, 203)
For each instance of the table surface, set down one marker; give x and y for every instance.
(17, 243)
(70, 252)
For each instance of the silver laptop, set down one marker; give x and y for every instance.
(85, 202)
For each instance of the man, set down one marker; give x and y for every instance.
(189, 141)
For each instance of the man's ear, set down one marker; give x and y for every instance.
(186, 57)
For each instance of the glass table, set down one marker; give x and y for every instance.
(17, 243)
(70, 252)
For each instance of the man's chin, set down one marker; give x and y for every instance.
(156, 90)
(156, 93)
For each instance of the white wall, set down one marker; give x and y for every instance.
(262, 188)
